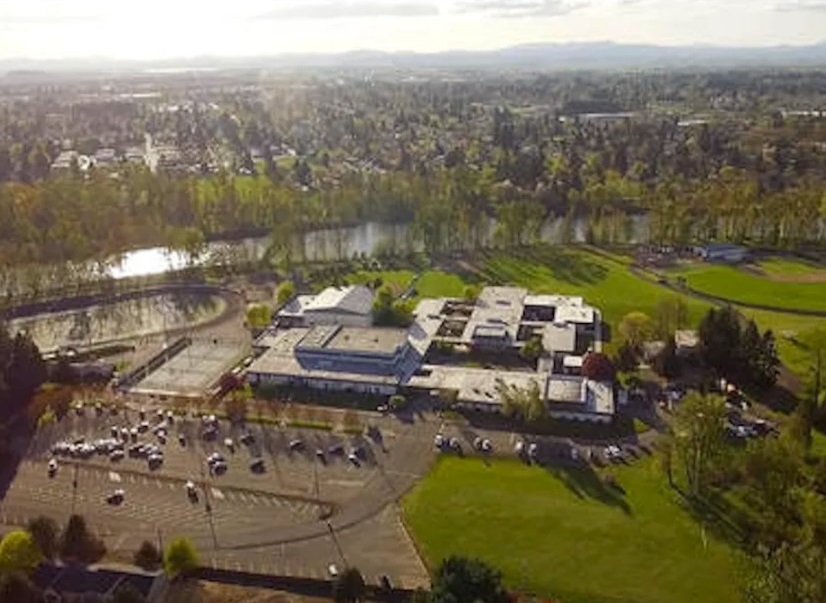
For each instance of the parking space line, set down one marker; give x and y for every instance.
(216, 493)
(114, 477)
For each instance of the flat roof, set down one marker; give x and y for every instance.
(296, 306)
(276, 363)
(579, 394)
(318, 336)
(574, 314)
(553, 301)
(474, 385)
(367, 339)
(559, 337)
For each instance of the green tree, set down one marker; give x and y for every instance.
(699, 438)
(148, 556)
(46, 535)
(635, 328)
(349, 586)
(285, 292)
(18, 552)
(180, 557)
(719, 335)
(666, 363)
(533, 349)
(525, 404)
(470, 293)
(463, 580)
(671, 314)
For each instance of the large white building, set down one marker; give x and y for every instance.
(349, 306)
(326, 341)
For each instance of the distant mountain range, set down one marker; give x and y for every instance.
(583, 55)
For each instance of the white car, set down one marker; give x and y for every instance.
(439, 440)
(332, 570)
(533, 450)
(486, 445)
(52, 467)
(116, 497)
(519, 448)
(229, 444)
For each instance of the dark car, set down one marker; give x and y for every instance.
(257, 465)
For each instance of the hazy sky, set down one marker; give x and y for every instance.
(178, 28)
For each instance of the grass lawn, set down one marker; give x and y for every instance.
(786, 327)
(740, 286)
(397, 279)
(603, 281)
(785, 268)
(568, 536)
(437, 283)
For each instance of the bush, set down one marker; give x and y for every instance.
(180, 557)
(18, 552)
(148, 557)
(397, 402)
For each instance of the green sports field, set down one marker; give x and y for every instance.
(785, 268)
(564, 534)
(739, 286)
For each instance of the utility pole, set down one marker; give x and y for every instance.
(208, 508)
(74, 488)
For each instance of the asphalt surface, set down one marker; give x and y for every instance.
(295, 518)
(298, 516)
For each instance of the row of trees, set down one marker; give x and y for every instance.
(21, 551)
(783, 490)
(737, 350)
(22, 371)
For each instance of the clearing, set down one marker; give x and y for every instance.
(563, 533)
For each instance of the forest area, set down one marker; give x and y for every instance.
(730, 156)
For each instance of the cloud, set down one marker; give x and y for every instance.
(330, 9)
(793, 6)
(522, 8)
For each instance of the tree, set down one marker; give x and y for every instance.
(463, 580)
(78, 543)
(285, 292)
(671, 314)
(635, 328)
(719, 335)
(18, 552)
(349, 586)
(626, 360)
(17, 587)
(180, 557)
(666, 363)
(470, 293)
(533, 349)
(46, 535)
(259, 316)
(525, 404)
(148, 556)
(699, 437)
(598, 367)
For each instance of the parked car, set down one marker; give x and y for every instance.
(257, 465)
(116, 498)
(296, 444)
(52, 467)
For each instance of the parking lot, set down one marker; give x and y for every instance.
(310, 501)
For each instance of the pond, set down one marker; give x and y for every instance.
(120, 320)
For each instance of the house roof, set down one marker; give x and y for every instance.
(355, 299)
(79, 580)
